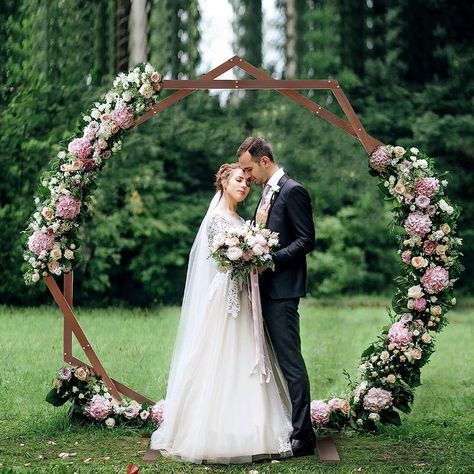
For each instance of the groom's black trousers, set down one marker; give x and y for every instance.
(282, 322)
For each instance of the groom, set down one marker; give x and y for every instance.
(285, 207)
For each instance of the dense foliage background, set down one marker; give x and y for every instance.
(406, 67)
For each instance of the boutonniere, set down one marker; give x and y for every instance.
(275, 189)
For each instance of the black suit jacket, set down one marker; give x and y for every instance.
(291, 215)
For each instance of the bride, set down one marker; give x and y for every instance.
(219, 408)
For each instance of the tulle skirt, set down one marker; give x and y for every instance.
(222, 412)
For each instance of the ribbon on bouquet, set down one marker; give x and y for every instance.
(262, 360)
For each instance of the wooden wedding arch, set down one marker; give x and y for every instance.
(183, 88)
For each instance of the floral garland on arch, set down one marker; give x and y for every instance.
(429, 255)
(92, 402)
(51, 238)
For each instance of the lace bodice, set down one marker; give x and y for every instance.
(220, 222)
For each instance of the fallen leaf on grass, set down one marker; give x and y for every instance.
(22, 444)
(52, 443)
(66, 455)
(88, 460)
(106, 458)
(27, 464)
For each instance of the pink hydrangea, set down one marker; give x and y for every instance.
(99, 407)
(80, 147)
(380, 159)
(419, 304)
(122, 117)
(320, 412)
(67, 207)
(435, 279)
(417, 224)
(40, 241)
(399, 334)
(426, 187)
(377, 399)
(158, 412)
(422, 201)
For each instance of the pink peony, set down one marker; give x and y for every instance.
(429, 247)
(122, 117)
(80, 147)
(380, 159)
(65, 374)
(158, 412)
(40, 241)
(422, 201)
(132, 410)
(406, 256)
(320, 412)
(377, 399)
(67, 207)
(399, 334)
(419, 304)
(99, 407)
(435, 279)
(426, 187)
(417, 224)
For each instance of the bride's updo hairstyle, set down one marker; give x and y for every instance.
(224, 173)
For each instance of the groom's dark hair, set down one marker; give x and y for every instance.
(257, 147)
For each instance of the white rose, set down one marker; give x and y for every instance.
(55, 254)
(149, 69)
(81, 395)
(146, 90)
(257, 249)
(69, 254)
(260, 239)
(415, 292)
(234, 253)
(218, 240)
(250, 239)
(95, 114)
(374, 417)
(62, 155)
(127, 96)
(35, 277)
(110, 422)
(132, 77)
(423, 164)
(414, 150)
(272, 242)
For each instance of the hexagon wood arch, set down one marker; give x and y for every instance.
(183, 88)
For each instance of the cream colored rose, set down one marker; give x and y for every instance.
(47, 213)
(56, 253)
(416, 354)
(441, 249)
(436, 310)
(400, 188)
(391, 346)
(385, 355)
(69, 254)
(53, 266)
(426, 338)
(419, 262)
(445, 228)
(102, 143)
(391, 378)
(345, 407)
(415, 292)
(35, 277)
(81, 373)
(399, 151)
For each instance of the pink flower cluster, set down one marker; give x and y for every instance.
(399, 334)
(377, 399)
(67, 207)
(99, 407)
(320, 412)
(435, 279)
(40, 241)
(426, 187)
(122, 117)
(158, 412)
(380, 159)
(132, 410)
(417, 224)
(80, 147)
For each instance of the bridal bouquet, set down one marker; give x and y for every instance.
(244, 249)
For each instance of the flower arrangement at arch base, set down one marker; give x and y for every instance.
(92, 402)
(429, 256)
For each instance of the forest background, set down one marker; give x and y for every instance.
(406, 67)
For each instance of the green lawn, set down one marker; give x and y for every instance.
(135, 347)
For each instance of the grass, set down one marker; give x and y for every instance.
(135, 346)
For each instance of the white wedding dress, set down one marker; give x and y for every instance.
(217, 408)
